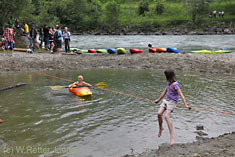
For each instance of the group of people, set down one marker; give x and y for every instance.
(53, 37)
(50, 37)
(214, 13)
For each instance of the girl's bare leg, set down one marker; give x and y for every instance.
(170, 126)
(159, 114)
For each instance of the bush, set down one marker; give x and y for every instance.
(143, 7)
(160, 8)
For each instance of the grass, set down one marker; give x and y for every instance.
(175, 15)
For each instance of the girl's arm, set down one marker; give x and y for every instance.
(161, 96)
(182, 97)
(72, 84)
(87, 84)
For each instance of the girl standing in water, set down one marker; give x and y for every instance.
(172, 92)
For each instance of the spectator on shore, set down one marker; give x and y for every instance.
(32, 36)
(58, 39)
(66, 36)
(51, 39)
(41, 37)
(222, 14)
(26, 28)
(214, 13)
(9, 39)
(219, 13)
(46, 36)
(16, 24)
(211, 13)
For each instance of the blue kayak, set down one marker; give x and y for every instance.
(112, 51)
(174, 50)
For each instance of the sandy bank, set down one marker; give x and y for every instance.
(208, 63)
(222, 146)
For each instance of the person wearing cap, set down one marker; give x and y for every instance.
(66, 36)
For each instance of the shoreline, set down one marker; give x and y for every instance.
(187, 62)
(222, 145)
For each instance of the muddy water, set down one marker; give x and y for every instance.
(41, 121)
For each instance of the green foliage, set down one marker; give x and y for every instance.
(197, 8)
(111, 15)
(143, 7)
(160, 6)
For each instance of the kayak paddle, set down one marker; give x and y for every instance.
(98, 85)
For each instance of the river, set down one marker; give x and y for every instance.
(185, 43)
(57, 123)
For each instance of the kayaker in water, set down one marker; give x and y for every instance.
(80, 82)
(172, 92)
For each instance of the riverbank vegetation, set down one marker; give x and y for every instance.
(120, 15)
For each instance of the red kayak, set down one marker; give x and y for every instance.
(132, 51)
(92, 50)
(152, 50)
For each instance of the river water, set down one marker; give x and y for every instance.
(45, 122)
(185, 43)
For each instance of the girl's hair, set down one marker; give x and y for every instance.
(80, 76)
(170, 75)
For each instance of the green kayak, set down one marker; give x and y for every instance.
(102, 51)
(209, 51)
(84, 51)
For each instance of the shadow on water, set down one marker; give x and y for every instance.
(107, 124)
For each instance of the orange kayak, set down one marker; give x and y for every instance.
(161, 49)
(81, 91)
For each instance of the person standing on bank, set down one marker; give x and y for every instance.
(172, 92)
(9, 39)
(58, 39)
(46, 36)
(32, 36)
(66, 36)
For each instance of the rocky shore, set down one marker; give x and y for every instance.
(222, 146)
(206, 63)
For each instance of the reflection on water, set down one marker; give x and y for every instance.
(109, 124)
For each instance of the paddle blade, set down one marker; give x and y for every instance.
(101, 85)
(57, 87)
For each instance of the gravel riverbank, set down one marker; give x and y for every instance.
(207, 63)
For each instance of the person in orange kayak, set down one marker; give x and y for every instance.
(80, 82)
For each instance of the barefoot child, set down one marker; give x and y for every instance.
(80, 82)
(172, 92)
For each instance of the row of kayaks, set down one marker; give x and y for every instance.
(107, 51)
(138, 51)
(159, 50)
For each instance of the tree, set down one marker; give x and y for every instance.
(160, 6)
(143, 7)
(197, 8)
(11, 8)
(111, 14)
